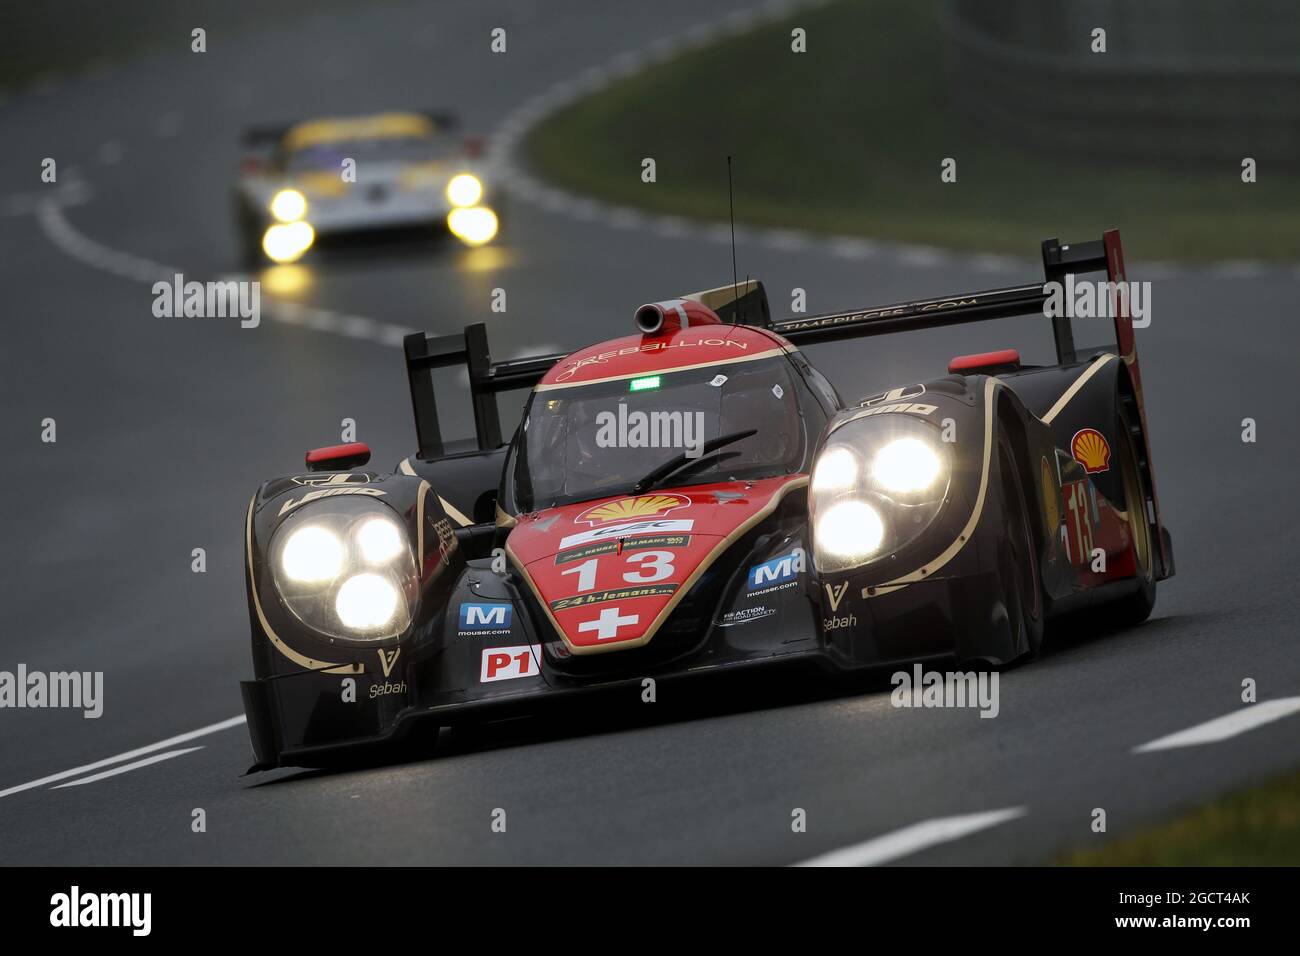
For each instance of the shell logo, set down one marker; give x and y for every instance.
(1090, 449)
(642, 506)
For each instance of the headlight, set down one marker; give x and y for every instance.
(906, 465)
(345, 568)
(312, 554)
(850, 531)
(287, 241)
(365, 602)
(473, 226)
(464, 190)
(876, 485)
(288, 205)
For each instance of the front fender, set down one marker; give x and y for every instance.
(315, 688)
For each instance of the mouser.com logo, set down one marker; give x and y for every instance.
(75, 908)
(776, 573)
(485, 618)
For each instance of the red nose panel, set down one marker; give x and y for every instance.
(609, 572)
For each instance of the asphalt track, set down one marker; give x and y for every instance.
(165, 426)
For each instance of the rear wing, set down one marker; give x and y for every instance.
(746, 303)
(1100, 255)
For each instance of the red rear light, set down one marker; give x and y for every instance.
(251, 164)
(473, 146)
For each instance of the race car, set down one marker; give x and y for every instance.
(334, 177)
(696, 498)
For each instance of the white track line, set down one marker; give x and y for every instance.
(1229, 725)
(77, 245)
(913, 839)
(129, 755)
(126, 768)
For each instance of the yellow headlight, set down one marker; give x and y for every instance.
(473, 226)
(289, 205)
(464, 190)
(287, 241)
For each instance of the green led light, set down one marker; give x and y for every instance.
(641, 384)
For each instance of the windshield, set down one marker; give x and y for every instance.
(598, 440)
(386, 149)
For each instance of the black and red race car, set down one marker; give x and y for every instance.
(693, 498)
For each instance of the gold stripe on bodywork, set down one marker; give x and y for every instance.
(419, 523)
(453, 512)
(800, 481)
(1073, 390)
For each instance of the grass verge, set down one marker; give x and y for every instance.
(848, 138)
(1259, 826)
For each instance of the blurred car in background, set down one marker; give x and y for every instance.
(332, 177)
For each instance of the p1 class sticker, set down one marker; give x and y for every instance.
(718, 380)
(509, 663)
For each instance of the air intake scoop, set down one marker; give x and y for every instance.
(672, 315)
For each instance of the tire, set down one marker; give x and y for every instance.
(1022, 586)
(1133, 608)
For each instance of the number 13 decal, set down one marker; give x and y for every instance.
(1077, 503)
(654, 566)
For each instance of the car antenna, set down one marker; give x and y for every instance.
(735, 282)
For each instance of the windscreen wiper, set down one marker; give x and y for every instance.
(673, 464)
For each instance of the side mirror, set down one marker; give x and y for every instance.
(338, 457)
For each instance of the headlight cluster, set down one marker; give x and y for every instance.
(469, 222)
(291, 235)
(345, 568)
(876, 485)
